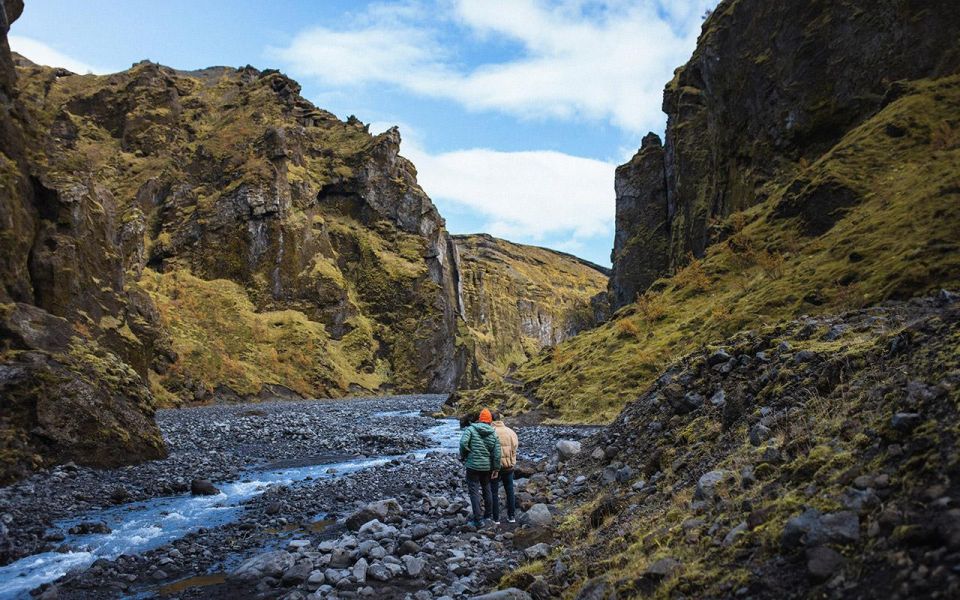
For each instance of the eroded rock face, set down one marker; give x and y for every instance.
(641, 245)
(518, 299)
(750, 107)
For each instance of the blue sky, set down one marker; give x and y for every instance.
(516, 112)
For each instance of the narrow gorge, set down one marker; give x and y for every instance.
(236, 332)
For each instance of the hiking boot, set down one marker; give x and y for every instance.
(511, 520)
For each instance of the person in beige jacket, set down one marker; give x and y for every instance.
(509, 442)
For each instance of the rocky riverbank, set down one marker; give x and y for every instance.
(290, 475)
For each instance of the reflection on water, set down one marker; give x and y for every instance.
(192, 582)
(143, 526)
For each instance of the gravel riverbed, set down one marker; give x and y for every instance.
(289, 476)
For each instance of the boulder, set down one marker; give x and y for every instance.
(536, 551)
(203, 487)
(811, 528)
(823, 562)
(413, 565)
(663, 568)
(707, 485)
(270, 564)
(567, 449)
(905, 422)
(538, 516)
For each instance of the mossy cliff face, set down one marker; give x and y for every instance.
(872, 217)
(76, 335)
(642, 239)
(519, 299)
(229, 174)
(769, 86)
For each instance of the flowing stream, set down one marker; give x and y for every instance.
(142, 526)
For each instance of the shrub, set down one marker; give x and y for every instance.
(693, 276)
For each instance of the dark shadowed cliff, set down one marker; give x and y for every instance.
(770, 87)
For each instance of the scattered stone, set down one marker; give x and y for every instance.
(707, 485)
(718, 357)
(536, 551)
(906, 422)
(270, 564)
(538, 516)
(413, 566)
(89, 527)
(663, 568)
(507, 594)
(759, 433)
(567, 449)
(823, 562)
(203, 487)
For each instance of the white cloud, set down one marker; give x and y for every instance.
(531, 195)
(599, 60)
(42, 54)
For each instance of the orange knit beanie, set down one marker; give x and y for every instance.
(485, 416)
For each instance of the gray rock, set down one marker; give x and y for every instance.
(759, 434)
(315, 579)
(270, 564)
(379, 572)
(707, 485)
(536, 551)
(718, 357)
(340, 558)
(598, 454)
(823, 562)
(718, 398)
(811, 528)
(663, 568)
(413, 565)
(360, 571)
(567, 449)
(298, 573)
(906, 421)
(731, 537)
(203, 487)
(378, 530)
(420, 531)
(538, 516)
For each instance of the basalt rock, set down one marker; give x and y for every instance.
(641, 242)
(749, 107)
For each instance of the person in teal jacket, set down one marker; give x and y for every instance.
(480, 452)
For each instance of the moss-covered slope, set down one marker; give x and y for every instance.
(815, 458)
(895, 235)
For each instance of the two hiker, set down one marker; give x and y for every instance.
(489, 452)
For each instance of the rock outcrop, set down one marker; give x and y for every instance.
(72, 384)
(641, 241)
(519, 299)
(750, 106)
(820, 177)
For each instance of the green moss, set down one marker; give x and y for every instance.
(901, 240)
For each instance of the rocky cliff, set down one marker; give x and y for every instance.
(836, 187)
(750, 107)
(173, 237)
(518, 299)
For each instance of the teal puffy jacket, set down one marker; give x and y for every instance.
(480, 447)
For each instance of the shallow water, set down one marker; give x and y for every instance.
(142, 526)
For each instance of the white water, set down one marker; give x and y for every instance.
(142, 526)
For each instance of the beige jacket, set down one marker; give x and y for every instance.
(508, 445)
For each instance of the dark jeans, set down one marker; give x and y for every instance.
(505, 477)
(478, 482)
